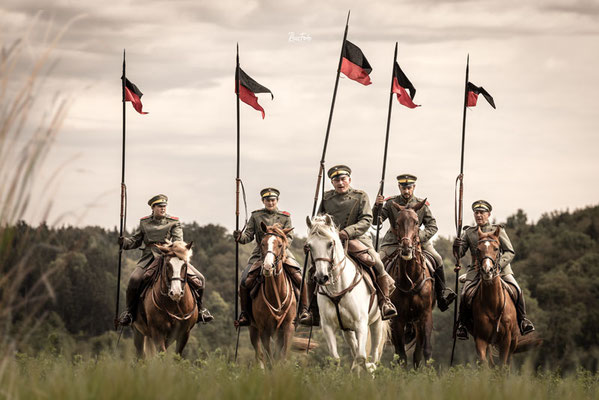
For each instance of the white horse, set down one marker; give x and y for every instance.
(339, 280)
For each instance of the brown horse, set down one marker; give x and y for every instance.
(414, 295)
(275, 305)
(495, 321)
(168, 310)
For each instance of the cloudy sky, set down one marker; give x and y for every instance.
(539, 59)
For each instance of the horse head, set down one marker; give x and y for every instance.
(325, 246)
(273, 247)
(176, 258)
(407, 228)
(487, 253)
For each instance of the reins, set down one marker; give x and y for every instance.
(163, 280)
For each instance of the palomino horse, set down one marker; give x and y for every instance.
(274, 307)
(495, 321)
(344, 299)
(169, 309)
(414, 296)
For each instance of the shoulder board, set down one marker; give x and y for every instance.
(285, 213)
(502, 226)
(146, 217)
(466, 227)
(388, 198)
(359, 191)
(255, 211)
(173, 218)
(328, 194)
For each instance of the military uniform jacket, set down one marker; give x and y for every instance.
(152, 231)
(425, 217)
(470, 238)
(254, 231)
(351, 213)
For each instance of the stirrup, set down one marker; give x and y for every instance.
(125, 318)
(309, 319)
(461, 332)
(526, 326)
(205, 316)
(243, 320)
(390, 312)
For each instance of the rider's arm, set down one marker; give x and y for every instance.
(507, 249)
(134, 241)
(176, 232)
(364, 219)
(248, 234)
(288, 224)
(381, 211)
(430, 225)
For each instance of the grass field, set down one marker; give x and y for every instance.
(169, 377)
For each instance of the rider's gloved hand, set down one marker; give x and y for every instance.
(121, 240)
(237, 235)
(343, 236)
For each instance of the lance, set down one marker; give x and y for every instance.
(321, 168)
(123, 202)
(237, 184)
(378, 223)
(459, 211)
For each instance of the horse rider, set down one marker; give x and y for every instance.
(351, 212)
(154, 229)
(270, 215)
(469, 240)
(384, 209)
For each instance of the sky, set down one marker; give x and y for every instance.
(536, 151)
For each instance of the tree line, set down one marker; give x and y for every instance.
(556, 263)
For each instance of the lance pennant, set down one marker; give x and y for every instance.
(401, 84)
(133, 94)
(474, 91)
(248, 89)
(354, 64)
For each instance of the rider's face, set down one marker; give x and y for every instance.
(341, 183)
(407, 191)
(159, 210)
(270, 202)
(481, 217)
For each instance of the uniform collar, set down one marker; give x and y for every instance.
(158, 219)
(350, 190)
(274, 211)
(403, 201)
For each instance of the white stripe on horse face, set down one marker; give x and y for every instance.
(269, 260)
(176, 290)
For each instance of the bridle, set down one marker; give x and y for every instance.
(495, 261)
(278, 257)
(332, 265)
(174, 278)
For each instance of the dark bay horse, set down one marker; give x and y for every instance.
(414, 295)
(169, 309)
(275, 306)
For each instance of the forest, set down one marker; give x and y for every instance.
(59, 288)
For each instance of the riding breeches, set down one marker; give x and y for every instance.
(387, 251)
(290, 261)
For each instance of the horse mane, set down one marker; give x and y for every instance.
(278, 229)
(320, 228)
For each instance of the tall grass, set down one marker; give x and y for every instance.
(27, 131)
(170, 377)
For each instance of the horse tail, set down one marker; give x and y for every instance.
(301, 344)
(528, 342)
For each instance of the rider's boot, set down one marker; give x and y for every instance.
(461, 332)
(204, 315)
(388, 310)
(311, 316)
(443, 300)
(132, 297)
(524, 323)
(244, 302)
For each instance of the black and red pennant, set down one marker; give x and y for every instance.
(248, 89)
(401, 84)
(354, 64)
(474, 91)
(133, 94)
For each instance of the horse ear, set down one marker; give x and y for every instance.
(189, 245)
(168, 242)
(397, 206)
(497, 231)
(308, 222)
(328, 220)
(163, 249)
(263, 226)
(419, 205)
(480, 232)
(287, 230)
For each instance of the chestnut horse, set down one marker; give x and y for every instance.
(169, 309)
(414, 295)
(495, 321)
(275, 306)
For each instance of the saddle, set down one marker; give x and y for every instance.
(255, 278)
(358, 252)
(470, 291)
(429, 262)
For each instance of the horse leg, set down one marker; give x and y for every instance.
(255, 339)
(481, 350)
(504, 349)
(420, 334)
(362, 337)
(397, 337)
(138, 341)
(329, 336)
(376, 337)
(287, 338)
(181, 342)
(352, 342)
(265, 339)
(427, 327)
